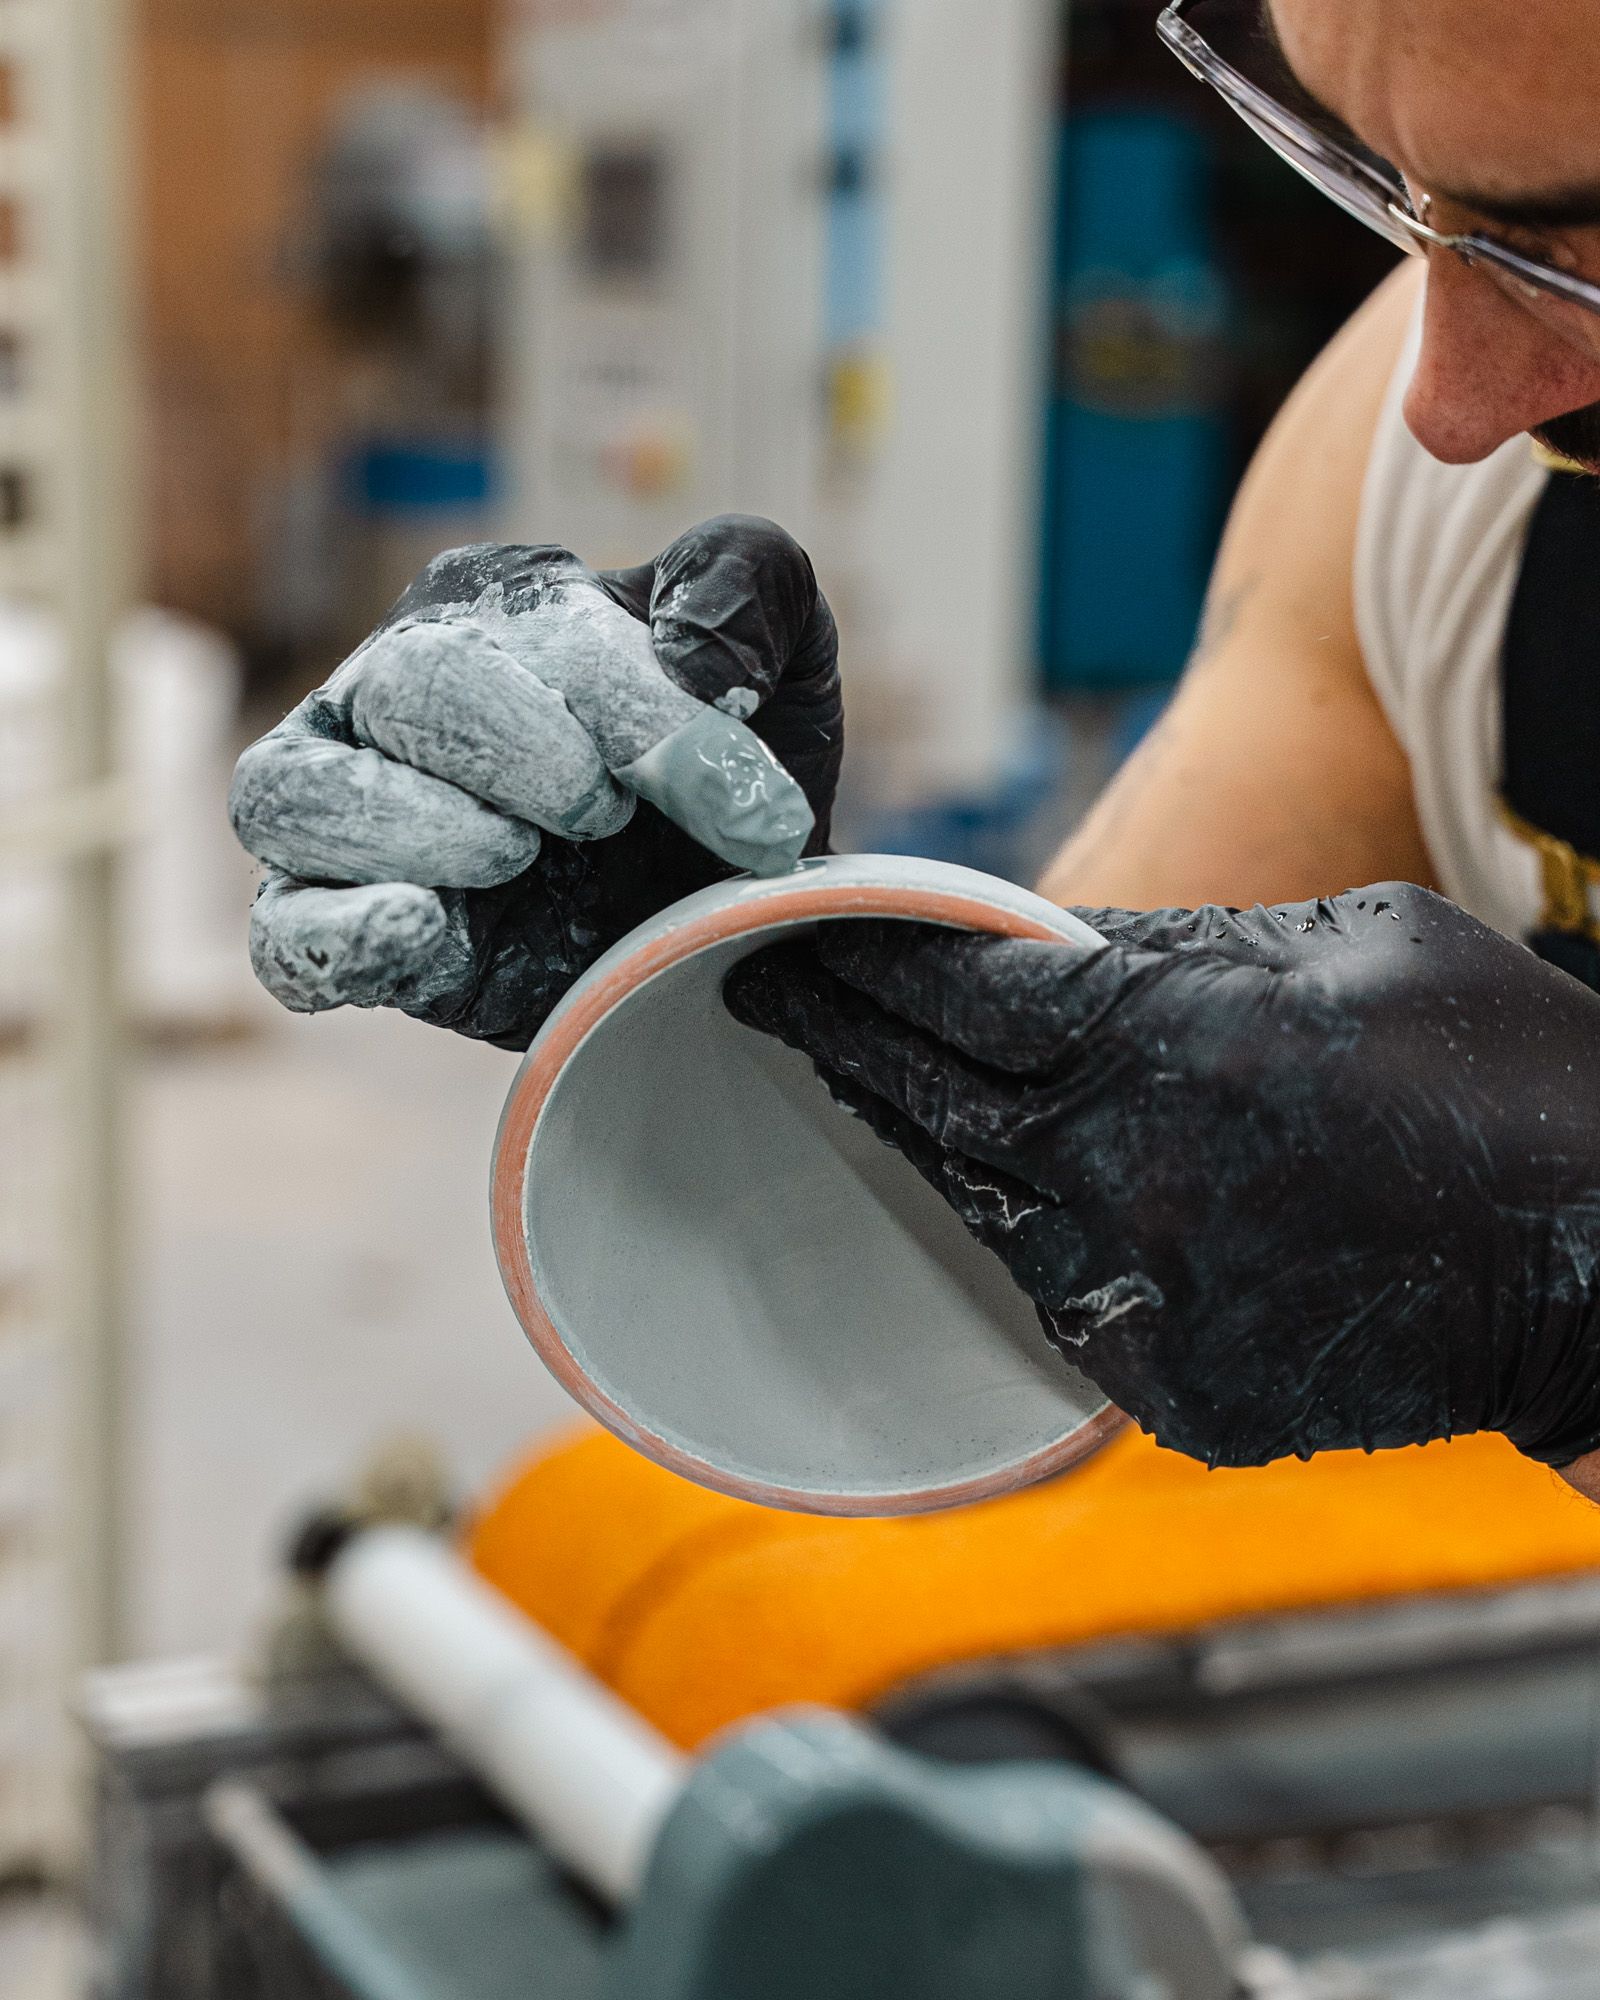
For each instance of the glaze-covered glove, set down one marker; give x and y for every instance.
(526, 760)
(1279, 1182)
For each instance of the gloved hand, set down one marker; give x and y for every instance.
(664, 727)
(1278, 1181)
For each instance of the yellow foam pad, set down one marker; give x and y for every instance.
(701, 1610)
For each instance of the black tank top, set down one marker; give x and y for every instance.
(1550, 697)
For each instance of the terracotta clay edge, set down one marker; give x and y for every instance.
(532, 1091)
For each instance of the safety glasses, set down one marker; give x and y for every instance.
(1229, 44)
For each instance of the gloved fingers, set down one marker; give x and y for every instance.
(1016, 1005)
(735, 611)
(586, 637)
(631, 588)
(578, 640)
(660, 732)
(1044, 1248)
(1052, 1254)
(704, 769)
(457, 581)
(718, 781)
(1238, 935)
(1049, 1251)
(786, 991)
(322, 810)
(994, 998)
(933, 1161)
(383, 944)
(1274, 937)
(445, 698)
(738, 619)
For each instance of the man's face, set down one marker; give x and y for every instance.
(1492, 109)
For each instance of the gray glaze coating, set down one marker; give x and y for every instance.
(511, 692)
(450, 699)
(315, 948)
(724, 787)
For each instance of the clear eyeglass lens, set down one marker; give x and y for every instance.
(1314, 156)
(1343, 184)
(1576, 324)
(1537, 298)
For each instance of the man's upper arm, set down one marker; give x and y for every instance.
(1274, 774)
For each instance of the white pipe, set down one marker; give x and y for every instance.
(569, 1758)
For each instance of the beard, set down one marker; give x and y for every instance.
(1575, 436)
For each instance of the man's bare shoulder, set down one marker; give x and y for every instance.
(1310, 471)
(1199, 814)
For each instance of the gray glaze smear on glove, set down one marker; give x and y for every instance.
(313, 949)
(725, 788)
(701, 766)
(323, 809)
(556, 715)
(529, 759)
(447, 698)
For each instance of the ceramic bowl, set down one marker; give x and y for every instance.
(733, 1274)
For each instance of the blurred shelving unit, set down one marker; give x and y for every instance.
(66, 517)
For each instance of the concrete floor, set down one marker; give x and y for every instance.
(314, 1278)
(43, 1952)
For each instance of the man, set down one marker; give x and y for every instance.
(1282, 1175)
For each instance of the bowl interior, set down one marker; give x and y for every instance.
(758, 1284)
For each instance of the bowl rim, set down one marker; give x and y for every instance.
(804, 897)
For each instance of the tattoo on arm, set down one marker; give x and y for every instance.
(1224, 608)
(1100, 839)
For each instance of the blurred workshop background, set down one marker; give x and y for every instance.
(293, 293)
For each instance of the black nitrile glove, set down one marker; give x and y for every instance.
(665, 727)
(1279, 1182)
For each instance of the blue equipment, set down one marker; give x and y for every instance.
(1137, 447)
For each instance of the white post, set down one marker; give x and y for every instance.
(956, 530)
(569, 1758)
(89, 507)
(66, 547)
(684, 383)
